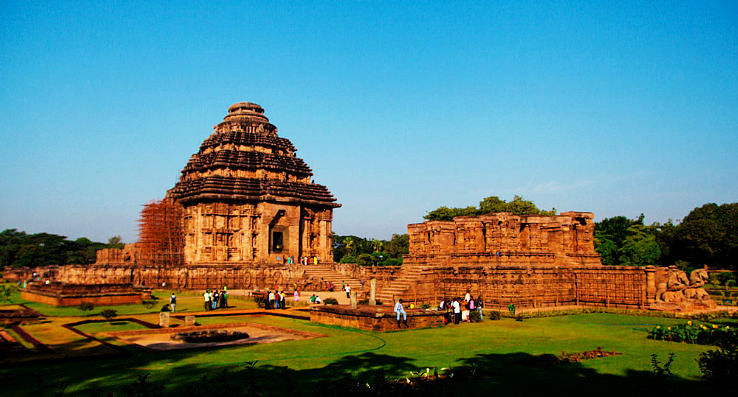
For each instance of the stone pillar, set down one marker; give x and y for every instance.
(353, 299)
(650, 297)
(373, 292)
(164, 319)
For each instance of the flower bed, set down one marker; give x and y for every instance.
(702, 334)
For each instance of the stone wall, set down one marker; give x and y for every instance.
(506, 239)
(536, 286)
(190, 277)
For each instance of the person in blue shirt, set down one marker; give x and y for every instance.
(399, 309)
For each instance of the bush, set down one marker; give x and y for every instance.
(166, 308)
(720, 365)
(702, 334)
(474, 316)
(86, 306)
(330, 301)
(109, 313)
(494, 315)
(425, 306)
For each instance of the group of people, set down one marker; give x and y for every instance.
(276, 299)
(215, 299)
(316, 299)
(458, 309)
(304, 260)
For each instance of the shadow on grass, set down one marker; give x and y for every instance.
(369, 374)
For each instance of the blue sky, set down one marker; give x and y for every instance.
(399, 107)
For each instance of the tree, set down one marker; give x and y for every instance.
(709, 235)
(639, 247)
(116, 242)
(518, 206)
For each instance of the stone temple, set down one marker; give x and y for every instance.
(247, 198)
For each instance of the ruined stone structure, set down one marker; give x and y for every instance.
(506, 239)
(61, 294)
(248, 204)
(528, 261)
(248, 199)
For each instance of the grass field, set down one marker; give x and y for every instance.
(507, 352)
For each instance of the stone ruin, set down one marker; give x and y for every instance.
(250, 211)
(532, 261)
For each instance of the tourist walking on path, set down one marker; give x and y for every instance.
(400, 310)
(348, 291)
(206, 295)
(172, 301)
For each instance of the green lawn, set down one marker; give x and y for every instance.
(506, 350)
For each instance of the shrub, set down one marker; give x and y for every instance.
(166, 308)
(86, 306)
(474, 316)
(702, 334)
(720, 365)
(425, 306)
(366, 302)
(109, 313)
(330, 301)
(661, 370)
(494, 315)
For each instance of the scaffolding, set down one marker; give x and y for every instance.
(161, 233)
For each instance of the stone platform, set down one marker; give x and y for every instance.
(374, 318)
(61, 294)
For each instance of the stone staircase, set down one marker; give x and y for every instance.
(397, 288)
(327, 273)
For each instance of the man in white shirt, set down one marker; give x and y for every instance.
(348, 291)
(206, 296)
(401, 311)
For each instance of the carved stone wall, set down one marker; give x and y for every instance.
(506, 239)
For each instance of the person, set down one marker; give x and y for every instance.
(401, 311)
(457, 310)
(343, 285)
(216, 299)
(283, 303)
(266, 300)
(163, 284)
(277, 299)
(318, 300)
(465, 312)
(296, 296)
(312, 299)
(316, 260)
(330, 286)
(206, 295)
(172, 301)
(271, 299)
(348, 291)
(224, 298)
(467, 297)
(440, 305)
(480, 304)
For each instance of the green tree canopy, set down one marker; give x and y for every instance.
(19, 249)
(517, 206)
